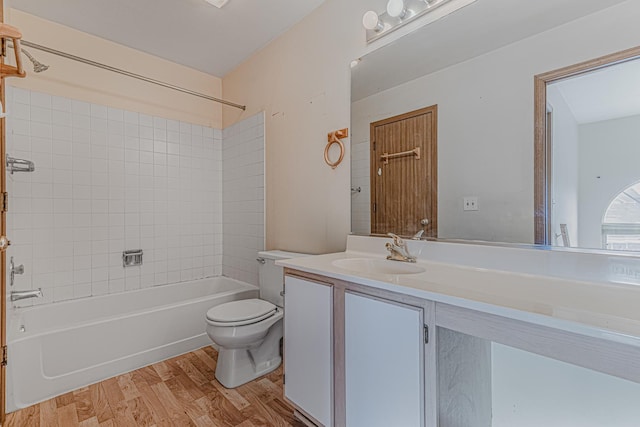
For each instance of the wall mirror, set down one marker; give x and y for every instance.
(479, 87)
(587, 177)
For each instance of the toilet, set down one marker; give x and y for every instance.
(248, 332)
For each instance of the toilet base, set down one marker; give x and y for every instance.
(239, 366)
(240, 369)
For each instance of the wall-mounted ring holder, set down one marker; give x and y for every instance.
(335, 138)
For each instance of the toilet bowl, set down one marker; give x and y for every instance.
(248, 332)
(249, 344)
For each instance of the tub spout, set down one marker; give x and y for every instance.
(18, 295)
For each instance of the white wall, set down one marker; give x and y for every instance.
(564, 209)
(243, 198)
(534, 391)
(609, 153)
(485, 121)
(108, 180)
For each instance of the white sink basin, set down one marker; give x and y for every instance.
(377, 266)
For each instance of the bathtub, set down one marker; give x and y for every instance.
(60, 347)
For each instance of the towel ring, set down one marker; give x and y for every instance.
(334, 140)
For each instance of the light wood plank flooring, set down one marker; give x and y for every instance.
(177, 392)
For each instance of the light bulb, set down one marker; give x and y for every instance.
(396, 9)
(371, 21)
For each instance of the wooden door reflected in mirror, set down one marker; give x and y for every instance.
(404, 174)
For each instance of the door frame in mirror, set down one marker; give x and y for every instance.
(542, 146)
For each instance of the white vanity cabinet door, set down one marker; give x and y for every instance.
(384, 369)
(308, 348)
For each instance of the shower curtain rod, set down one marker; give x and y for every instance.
(130, 74)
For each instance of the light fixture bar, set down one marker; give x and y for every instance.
(399, 13)
(217, 3)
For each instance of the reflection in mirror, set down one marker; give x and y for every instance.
(404, 184)
(593, 123)
(481, 80)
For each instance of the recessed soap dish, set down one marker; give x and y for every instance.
(132, 258)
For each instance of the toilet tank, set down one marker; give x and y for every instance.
(272, 275)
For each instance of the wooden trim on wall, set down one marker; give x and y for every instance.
(542, 148)
(541, 207)
(3, 230)
(3, 261)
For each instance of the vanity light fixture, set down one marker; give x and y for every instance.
(371, 21)
(397, 9)
(217, 3)
(399, 13)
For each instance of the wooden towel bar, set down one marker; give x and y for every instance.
(386, 156)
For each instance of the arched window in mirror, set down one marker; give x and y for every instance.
(621, 222)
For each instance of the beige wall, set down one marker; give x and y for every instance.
(79, 81)
(302, 82)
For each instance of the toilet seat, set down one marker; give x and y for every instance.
(239, 313)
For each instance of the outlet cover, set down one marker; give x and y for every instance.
(470, 203)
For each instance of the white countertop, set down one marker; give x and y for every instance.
(506, 282)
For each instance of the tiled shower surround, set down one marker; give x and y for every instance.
(243, 198)
(106, 181)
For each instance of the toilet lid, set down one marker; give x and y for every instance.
(241, 311)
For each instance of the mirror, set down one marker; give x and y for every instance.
(480, 85)
(588, 121)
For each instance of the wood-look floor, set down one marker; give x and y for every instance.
(177, 392)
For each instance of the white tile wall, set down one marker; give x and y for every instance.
(360, 202)
(108, 180)
(243, 198)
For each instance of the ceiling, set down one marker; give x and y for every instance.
(189, 32)
(487, 24)
(610, 93)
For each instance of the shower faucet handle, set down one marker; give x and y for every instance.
(16, 269)
(13, 270)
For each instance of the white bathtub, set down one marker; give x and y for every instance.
(72, 344)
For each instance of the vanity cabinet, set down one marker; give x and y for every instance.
(357, 356)
(308, 349)
(383, 362)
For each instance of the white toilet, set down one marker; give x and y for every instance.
(248, 332)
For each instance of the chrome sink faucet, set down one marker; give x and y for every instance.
(398, 250)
